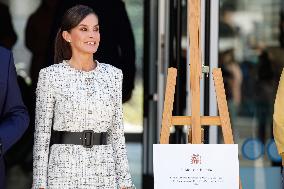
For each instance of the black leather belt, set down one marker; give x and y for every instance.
(87, 138)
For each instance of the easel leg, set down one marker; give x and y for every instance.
(168, 105)
(223, 109)
(222, 106)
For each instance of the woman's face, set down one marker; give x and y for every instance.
(85, 37)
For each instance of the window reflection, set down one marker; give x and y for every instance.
(251, 56)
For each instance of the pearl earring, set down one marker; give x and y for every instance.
(69, 41)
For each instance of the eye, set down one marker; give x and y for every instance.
(96, 29)
(83, 29)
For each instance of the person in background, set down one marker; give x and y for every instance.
(14, 118)
(36, 40)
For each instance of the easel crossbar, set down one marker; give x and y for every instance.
(204, 120)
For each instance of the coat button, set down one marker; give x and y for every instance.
(88, 80)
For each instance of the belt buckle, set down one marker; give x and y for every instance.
(88, 138)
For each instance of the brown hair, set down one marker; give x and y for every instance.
(70, 20)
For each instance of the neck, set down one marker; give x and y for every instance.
(85, 63)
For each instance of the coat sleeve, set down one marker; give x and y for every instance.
(117, 139)
(278, 116)
(15, 119)
(43, 124)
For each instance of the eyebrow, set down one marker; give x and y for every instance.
(87, 25)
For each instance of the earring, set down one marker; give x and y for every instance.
(69, 41)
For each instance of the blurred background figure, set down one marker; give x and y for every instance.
(232, 74)
(265, 94)
(227, 29)
(233, 77)
(37, 36)
(8, 36)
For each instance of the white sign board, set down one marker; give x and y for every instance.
(196, 166)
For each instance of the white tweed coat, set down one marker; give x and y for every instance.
(74, 100)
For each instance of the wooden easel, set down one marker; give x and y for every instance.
(195, 120)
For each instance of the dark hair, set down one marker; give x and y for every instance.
(228, 6)
(70, 20)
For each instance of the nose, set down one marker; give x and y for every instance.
(91, 35)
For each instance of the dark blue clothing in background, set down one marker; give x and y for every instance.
(14, 117)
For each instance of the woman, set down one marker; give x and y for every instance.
(79, 102)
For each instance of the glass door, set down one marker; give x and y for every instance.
(251, 56)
